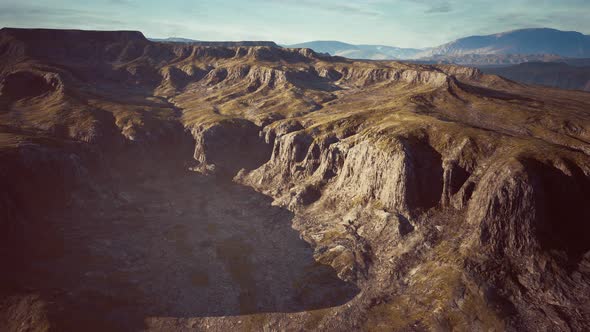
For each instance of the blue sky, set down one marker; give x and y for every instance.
(404, 23)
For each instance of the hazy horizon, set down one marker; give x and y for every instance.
(401, 23)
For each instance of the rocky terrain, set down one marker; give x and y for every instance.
(175, 187)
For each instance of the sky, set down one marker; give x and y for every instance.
(402, 23)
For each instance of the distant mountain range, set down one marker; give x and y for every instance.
(526, 41)
(534, 56)
(174, 40)
(372, 52)
(214, 43)
(504, 48)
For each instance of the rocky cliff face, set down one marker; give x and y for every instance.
(451, 199)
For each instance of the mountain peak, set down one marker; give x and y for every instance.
(541, 30)
(521, 41)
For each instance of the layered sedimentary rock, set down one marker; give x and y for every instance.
(452, 199)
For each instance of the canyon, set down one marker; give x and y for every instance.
(169, 186)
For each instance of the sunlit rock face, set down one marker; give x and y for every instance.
(166, 186)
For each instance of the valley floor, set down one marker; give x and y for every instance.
(172, 248)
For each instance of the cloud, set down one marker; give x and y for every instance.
(407, 23)
(38, 16)
(365, 8)
(121, 2)
(444, 7)
(433, 6)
